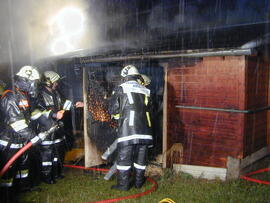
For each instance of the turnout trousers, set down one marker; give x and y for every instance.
(131, 157)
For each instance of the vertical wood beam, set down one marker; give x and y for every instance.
(165, 110)
(268, 112)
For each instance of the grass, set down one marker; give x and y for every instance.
(79, 187)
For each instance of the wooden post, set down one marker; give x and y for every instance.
(164, 136)
(92, 156)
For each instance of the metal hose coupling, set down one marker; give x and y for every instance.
(167, 200)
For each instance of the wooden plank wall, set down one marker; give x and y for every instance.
(257, 81)
(209, 137)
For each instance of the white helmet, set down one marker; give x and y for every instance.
(51, 77)
(129, 70)
(29, 72)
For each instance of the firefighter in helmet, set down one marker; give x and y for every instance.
(130, 100)
(53, 147)
(15, 109)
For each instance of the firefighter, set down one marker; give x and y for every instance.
(130, 101)
(17, 132)
(53, 148)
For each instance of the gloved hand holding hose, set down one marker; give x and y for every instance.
(36, 140)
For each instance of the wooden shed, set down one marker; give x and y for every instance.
(217, 109)
(215, 99)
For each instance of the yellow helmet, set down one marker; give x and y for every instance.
(146, 80)
(51, 77)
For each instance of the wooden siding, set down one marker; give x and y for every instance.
(230, 82)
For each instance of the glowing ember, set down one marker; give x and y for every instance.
(99, 109)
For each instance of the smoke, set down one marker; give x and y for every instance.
(26, 34)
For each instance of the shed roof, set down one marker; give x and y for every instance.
(225, 40)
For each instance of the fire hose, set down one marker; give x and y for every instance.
(23, 149)
(51, 130)
(153, 188)
(246, 176)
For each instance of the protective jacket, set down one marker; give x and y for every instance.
(132, 102)
(16, 133)
(16, 111)
(50, 100)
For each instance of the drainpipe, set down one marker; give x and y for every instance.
(257, 42)
(224, 110)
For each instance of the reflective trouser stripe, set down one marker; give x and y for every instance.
(22, 174)
(47, 163)
(136, 136)
(123, 168)
(131, 118)
(6, 182)
(148, 119)
(138, 166)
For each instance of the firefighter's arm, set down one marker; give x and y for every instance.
(114, 102)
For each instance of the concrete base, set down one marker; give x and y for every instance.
(202, 171)
(235, 167)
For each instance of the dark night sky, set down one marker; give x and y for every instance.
(166, 16)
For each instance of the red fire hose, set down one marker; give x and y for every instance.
(246, 176)
(30, 144)
(15, 156)
(153, 188)
(23, 149)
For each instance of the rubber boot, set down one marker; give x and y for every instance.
(48, 179)
(8, 195)
(139, 178)
(122, 181)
